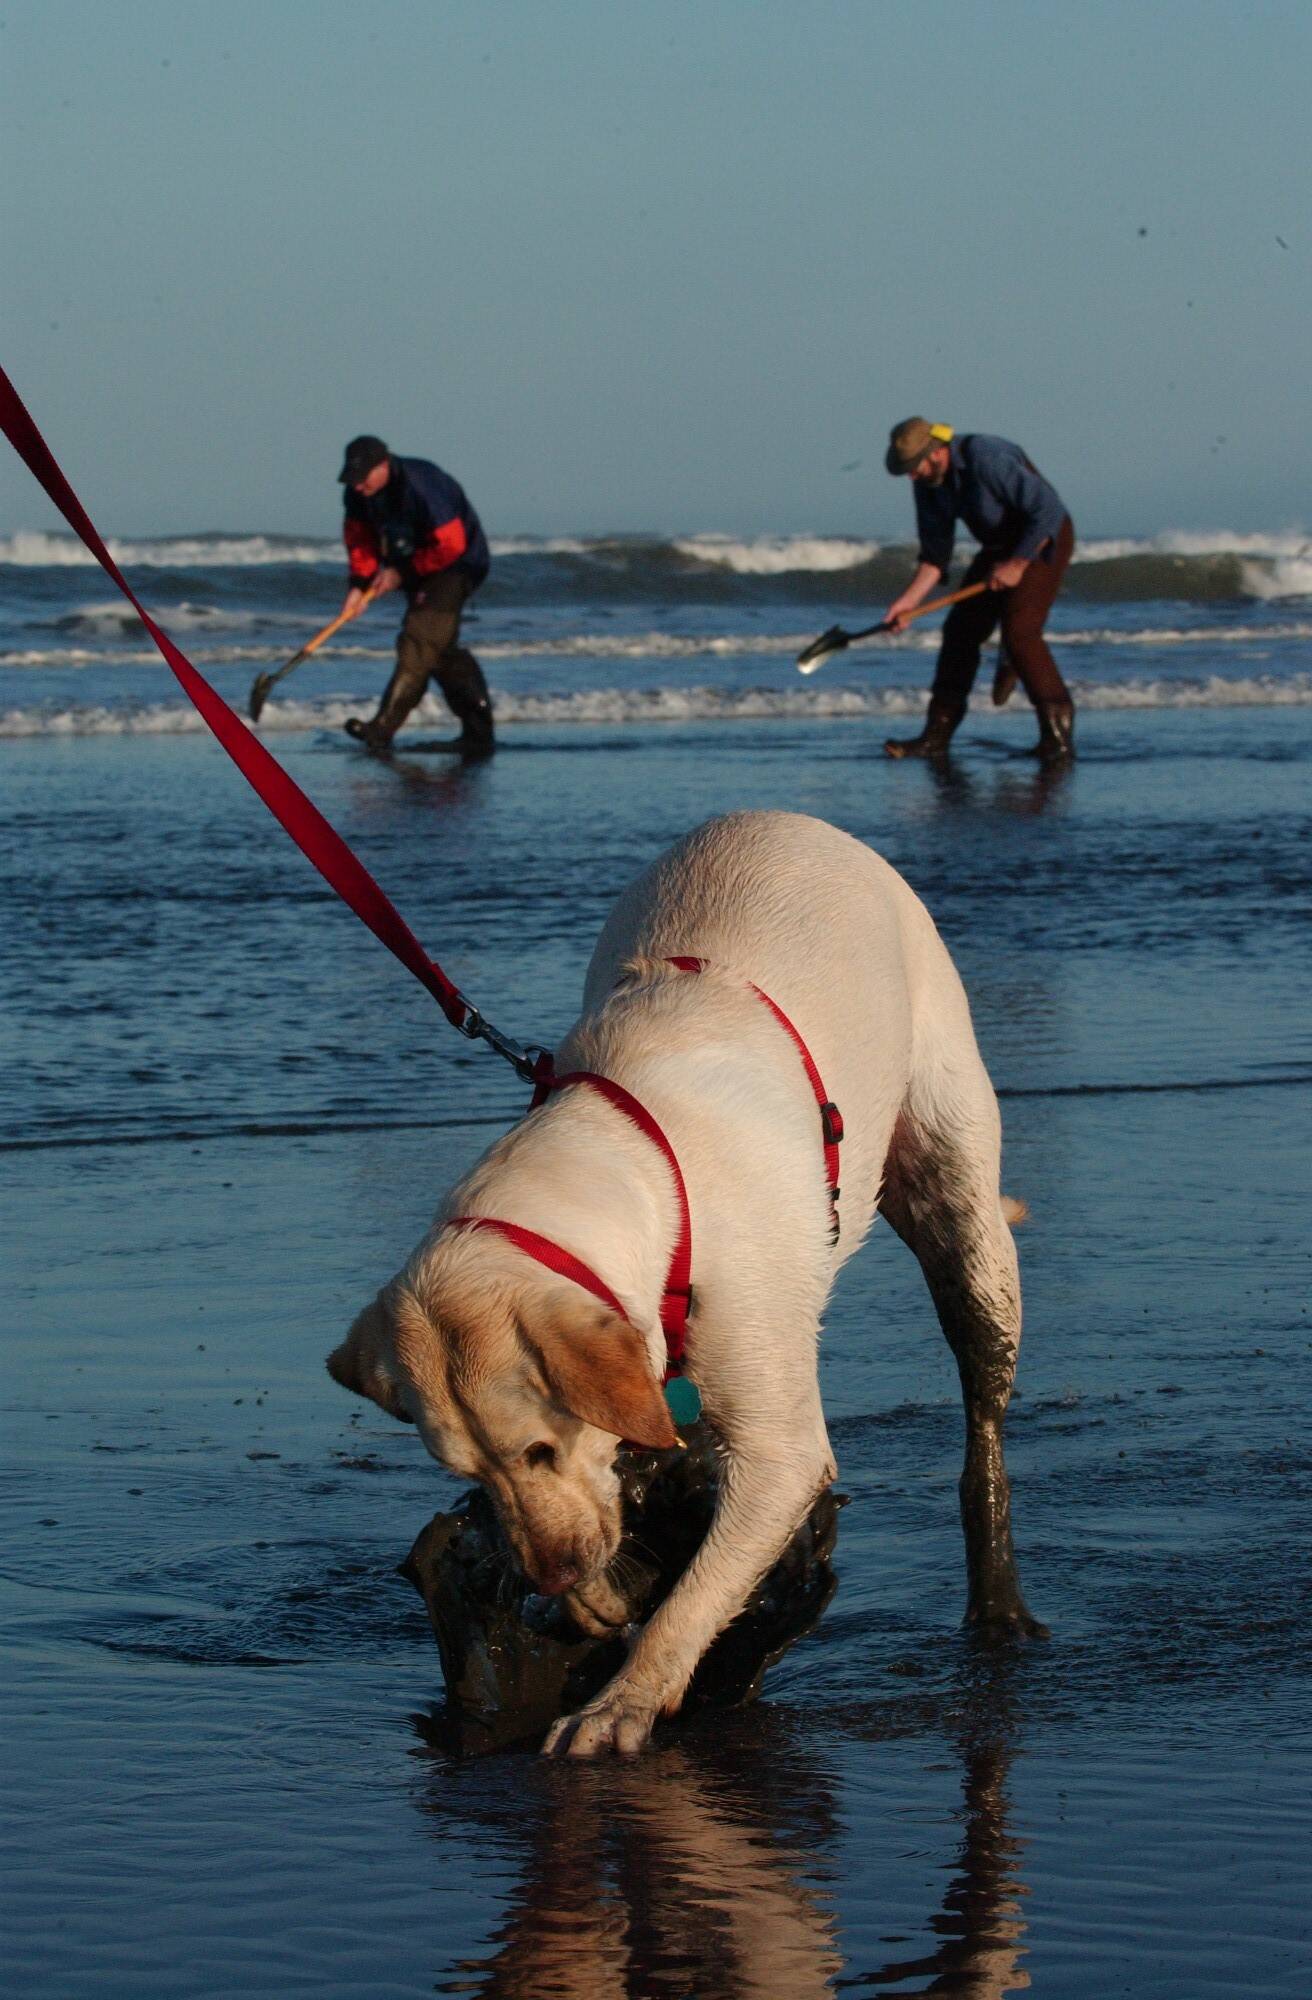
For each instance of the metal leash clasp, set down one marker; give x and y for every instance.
(526, 1062)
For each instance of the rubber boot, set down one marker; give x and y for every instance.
(403, 693)
(1056, 742)
(477, 740)
(372, 734)
(936, 735)
(465, 692)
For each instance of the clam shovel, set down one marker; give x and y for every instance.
(836, 639)
(263, 683)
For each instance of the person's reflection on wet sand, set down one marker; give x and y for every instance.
(440, 783)
(690, 1874)
(1020, 793)
(1025, 794)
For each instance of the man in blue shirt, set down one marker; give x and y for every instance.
(1025, 541)
(409, 526)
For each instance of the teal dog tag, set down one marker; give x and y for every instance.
(684, 1399)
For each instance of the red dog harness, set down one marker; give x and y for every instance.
(676, 1299)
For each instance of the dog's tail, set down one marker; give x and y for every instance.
(1014, 1212)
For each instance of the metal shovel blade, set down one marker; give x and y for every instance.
(815, 655)
(263, 684)
(259, 695)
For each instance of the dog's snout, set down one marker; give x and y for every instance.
(554, 1579)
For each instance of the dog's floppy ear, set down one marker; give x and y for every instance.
(597, 1368)
(361, 1363)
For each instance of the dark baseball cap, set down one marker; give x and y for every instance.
(362, 455)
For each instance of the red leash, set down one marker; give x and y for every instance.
(324, 847)
(319, 842)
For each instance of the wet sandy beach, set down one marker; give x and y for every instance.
(235, 1114)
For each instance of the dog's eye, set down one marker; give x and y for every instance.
(540, 1454)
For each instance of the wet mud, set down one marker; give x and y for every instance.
(229, 1759)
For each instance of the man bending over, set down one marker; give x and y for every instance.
(409, 527)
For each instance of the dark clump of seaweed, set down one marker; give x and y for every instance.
(513, 1661)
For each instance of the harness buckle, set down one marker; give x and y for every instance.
(831, 1123)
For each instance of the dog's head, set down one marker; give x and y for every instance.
(527, 1387)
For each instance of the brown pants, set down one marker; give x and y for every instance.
(1023, 613)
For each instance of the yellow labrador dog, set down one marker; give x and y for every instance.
(518, 1376)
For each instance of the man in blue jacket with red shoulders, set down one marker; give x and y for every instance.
(409, 527)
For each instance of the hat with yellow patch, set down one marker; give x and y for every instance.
(912, 440)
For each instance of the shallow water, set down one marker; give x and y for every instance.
(232, 1115)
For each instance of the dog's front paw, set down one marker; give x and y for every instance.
(617, 1722)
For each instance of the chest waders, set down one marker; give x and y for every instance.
(427, 649)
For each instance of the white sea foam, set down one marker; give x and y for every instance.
(545, 545)
(118, 615)
(645, 646)
(1267, 545)
(634, 646)
(1288, 576)
(625, 707)
(32, 550)
(773, 555)
(72, 656)
(1282, 555)
(818, 701)
(921, 639)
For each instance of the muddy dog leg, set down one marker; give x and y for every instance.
(762, 1498)
(941, 1196)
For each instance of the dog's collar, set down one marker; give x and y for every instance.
(677, 1296)
(681, 1395)
(554, 1255)
(676, 1299)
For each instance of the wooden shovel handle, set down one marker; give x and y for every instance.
(321, 638)
(942, 603)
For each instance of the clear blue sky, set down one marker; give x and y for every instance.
(646, 264)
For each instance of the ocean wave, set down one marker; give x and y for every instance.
(543, 545)
(118, 616)
(837, 701)
(624, 707)
(30, 549)
(1288, 576)
(1184, 565)
(919, 639)
(1209, 562)
(636, 646)
(775, 555)
(1199, 542)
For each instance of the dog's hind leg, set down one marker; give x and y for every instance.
(941, 1196)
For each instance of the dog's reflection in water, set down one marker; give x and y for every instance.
(672, 1876)
(981, 1925)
